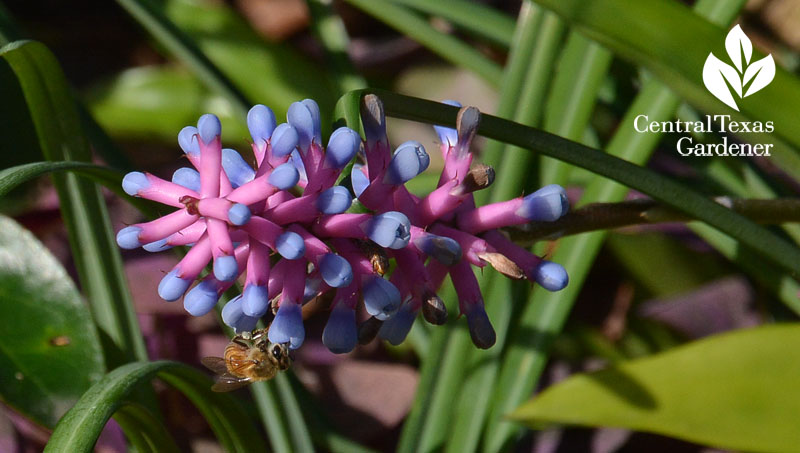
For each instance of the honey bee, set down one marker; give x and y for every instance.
(377, 256)
(249, 357)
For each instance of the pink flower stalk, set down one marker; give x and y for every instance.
(287, 249)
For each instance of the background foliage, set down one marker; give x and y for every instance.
(105, 87)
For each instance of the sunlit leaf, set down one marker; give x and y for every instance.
(49, 349)
(734, 391)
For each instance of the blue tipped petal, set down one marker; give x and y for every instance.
(245, 324)
(297, 161)
(395, 329)
(128, 237)
(172, 287)
(381, 298)
(311, 289)
(480, 328)
(335, 270)
(287, 326)
(239, 172)
(551, 276)
(255, 301)
(209, 127)
(359, 179)
(545, 205)
(391, 229)
(239, 214)
(261, 122)
(290, 245)
(447, 135)
(157, 246)
(202, 298)
(444, 249)
(341, 333)
(187, 141)
(284, 140)
(187, 177)
(225, 268)
(312, 107)
(342, 147)
(334, 200)
(410, 159)
(133, 182)
(232, 311)
(284, 176)
(302, 119)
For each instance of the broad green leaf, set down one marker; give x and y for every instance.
(14, 176)
(158, 101)
(31, 71)
(49, 349)
(79, 429)
(735, 391)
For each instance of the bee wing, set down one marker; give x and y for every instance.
(228, 382)
(215, 364)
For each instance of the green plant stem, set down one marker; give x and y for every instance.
(603, 216)
(444, 45)
(526, 32)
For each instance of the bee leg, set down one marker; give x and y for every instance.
(240, 341)
(245, 335)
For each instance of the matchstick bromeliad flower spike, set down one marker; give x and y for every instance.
(292, 248)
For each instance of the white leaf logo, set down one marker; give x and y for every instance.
(743, 78)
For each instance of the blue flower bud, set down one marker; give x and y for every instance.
(444, 249)
(239, 172)
(297, 161)
(335, 270)
(232, 311)
(409, 160)
(245, 324)
(395, 329)
(341, 334)
(311, 289)
(290, 245)
(284, 176)
(187, 177)
(342, 147)
(359, 179)
(545, 205)
(239, 214)
(187, 141)
(306, 121)
(480, 328)
(312, 107)
(381, 298)
(334, 200)
(284, 140)
(172, 287)
(447, 135)
(202, 298)
(255, 301)
(551, 276)
(128, 237)
(133, 182)
(287, 327)
(261, 122)
(225, 268)
(157, 246)
(209, 127)
(391, 229)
